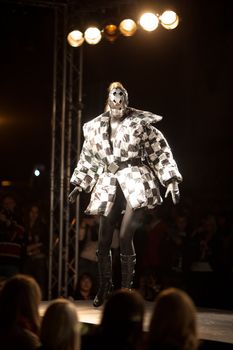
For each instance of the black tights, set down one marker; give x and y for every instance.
(129, 224)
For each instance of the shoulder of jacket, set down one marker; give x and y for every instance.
(94, 122)
(144, 117)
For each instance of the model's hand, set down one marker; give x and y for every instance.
(73, 195)
(174, 190)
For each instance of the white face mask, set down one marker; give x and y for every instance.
(117, 101)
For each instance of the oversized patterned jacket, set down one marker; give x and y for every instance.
(136, 137)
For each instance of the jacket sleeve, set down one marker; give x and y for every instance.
(159, 156)
(88, 168)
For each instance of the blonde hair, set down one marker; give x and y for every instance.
(19, 303)
(60, 326)
(173, 321)
(115, 85)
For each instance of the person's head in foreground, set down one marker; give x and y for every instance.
(60, 326)
(19, 304)
(173, 324)
(122, 318)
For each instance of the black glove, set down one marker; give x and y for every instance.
(73, 195)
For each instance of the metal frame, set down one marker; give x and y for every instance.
(65, 148)
(62, 265)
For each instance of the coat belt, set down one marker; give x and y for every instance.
(116, 166)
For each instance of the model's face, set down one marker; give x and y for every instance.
(117, 101)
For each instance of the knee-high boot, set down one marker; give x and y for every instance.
(105, 278)
(127, 270)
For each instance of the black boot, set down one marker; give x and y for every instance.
(105, 279)
(127, 270)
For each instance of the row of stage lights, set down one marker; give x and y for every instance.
(148, 21)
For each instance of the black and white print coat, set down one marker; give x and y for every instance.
(136, 137)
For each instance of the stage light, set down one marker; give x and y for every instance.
(6, 183)
(110, 32)
(169, 19)
(149, 21)
(92, 35)
(128, 27)
(37, 172)
(75, 38)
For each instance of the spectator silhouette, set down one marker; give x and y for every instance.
(121, 326)
(156, 256)
(88, 236)
(179, 238)
(202, 239)
(60, 327)
(12, 236)
(37, 242)
(19, 315)
(148, 286)
(222, 244)
(173, 324)
(222, 262)
(84, 290)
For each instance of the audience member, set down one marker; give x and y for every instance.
(84, 290)
(222, 258)
(173, 324)
(202, 242)
(140, 242)
(201, 278)
(2, 282)
(179, 238)
(148, 286)
(37, 243)
(19, 313)
(12, 236)
(60, 326)
(121, 326)
(222, 262)
(155, 257)
(88, 236)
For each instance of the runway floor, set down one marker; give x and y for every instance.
(213, 325)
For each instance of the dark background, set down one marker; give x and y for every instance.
(184, 75)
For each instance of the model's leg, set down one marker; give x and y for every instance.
(130, 222)
(106, 229)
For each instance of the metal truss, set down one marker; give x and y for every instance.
(65, 148)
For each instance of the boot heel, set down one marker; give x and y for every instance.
(103, 294)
